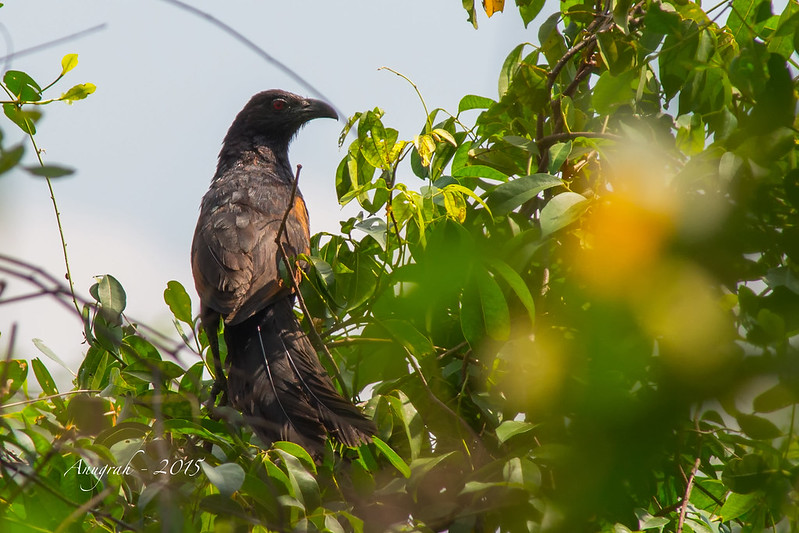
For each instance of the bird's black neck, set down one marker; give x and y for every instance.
(253, 150)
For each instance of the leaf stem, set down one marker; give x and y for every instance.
(58, 223)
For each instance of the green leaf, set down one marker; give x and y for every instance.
(621, 10)
(558, 153)
(25, 119)
(777, 397)
(78, 92)
(742, 19)
(176, 297)
(617, 53)
(529, 9)
(737, 505)
(50, 171)
(612, 91)
(412, 423)
(562, 210)
(304, 485)
(395, 460)
(496, 316)
(43, 377)
(471, 101)
(745, 475)
(375, 227)
(509, 68)
(111, 295)
(297, 451)
(22, 86)
(226, 477)
(11, 158)
(154, 371)
(407, 335)
(422, 467)
(510, 428)
(516, 283)
(68, 62)
(480, 171)
(39, 343)
(758, 427)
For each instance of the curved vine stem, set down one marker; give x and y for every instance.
(70, 283)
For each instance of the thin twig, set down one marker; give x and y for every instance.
(255, 48)
(549, 140)
(54, 42)
(290, 206)
(58, 223)
(316, 340)
(50, 397)
(51, 286)
(687, 495)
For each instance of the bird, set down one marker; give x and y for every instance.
(274, 376)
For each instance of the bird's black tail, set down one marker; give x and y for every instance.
(276, 380)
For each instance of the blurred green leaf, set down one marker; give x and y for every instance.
(11, 158)
(758, 427)
(50, 171)
(227, 477)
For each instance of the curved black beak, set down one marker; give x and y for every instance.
(318, 109)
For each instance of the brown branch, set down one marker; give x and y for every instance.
(549, 140)
(313, 335)
(50, 286)
(688, 486)
(357, 340)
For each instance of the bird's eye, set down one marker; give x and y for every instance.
(278, 104)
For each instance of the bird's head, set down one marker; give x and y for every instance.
(276, 116)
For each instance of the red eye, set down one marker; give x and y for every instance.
(278, 104)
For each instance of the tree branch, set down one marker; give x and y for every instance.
(313, 335)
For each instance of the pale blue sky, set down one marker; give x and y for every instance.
(168, 85)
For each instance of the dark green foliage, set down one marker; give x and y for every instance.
(576, 312)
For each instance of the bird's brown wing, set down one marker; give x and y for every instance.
(235, 259)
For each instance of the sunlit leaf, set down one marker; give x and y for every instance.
(78, 92)
(511, 428)
(471, 101)
(562, 210)
(22, 86)
(492, 6)
(68, 62)
(176, 297)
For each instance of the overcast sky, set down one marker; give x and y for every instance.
(144, 146)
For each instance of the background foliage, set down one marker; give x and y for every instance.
(573, 308)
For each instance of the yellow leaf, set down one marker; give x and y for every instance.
(425, 145)
(440, 134)
(492, 6)
(69, 62)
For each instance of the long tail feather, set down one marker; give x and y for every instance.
(277, 381)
